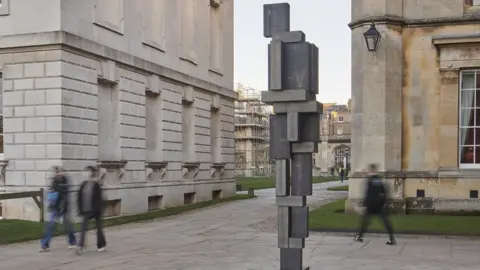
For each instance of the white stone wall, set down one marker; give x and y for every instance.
(63, 86)
(32, 123)
(175, 34)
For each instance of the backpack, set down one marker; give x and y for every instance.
(52, 198)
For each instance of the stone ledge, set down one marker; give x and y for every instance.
(84, 45)
(156, 164)
(109, 166)
(440, 173)
(217, 167)
(397, 174)
(112, 164)
(423, 206)
(125, 185)
(190, 168)
(396, 20)
(456, 39)
(159, 167)
(395, 206)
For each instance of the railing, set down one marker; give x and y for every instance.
(37, 196)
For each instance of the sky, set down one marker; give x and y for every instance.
(324, 23)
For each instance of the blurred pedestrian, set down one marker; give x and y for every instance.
(90, 206)
(58, 208)
(342, 174)
(376, 198)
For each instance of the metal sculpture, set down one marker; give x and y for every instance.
(294, 128)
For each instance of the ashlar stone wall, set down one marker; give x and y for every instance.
(143, 89)
(61, 107)
(405, 101)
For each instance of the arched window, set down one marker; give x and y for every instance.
(339, 154)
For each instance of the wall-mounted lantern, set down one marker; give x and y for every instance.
(372, 38)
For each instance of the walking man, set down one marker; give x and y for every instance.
(342, 174)
(59, 209)
(90, 206)
(375, 200)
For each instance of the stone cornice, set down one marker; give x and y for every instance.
(473, 17)
(377, 19)
(455, 40)
(22, 41)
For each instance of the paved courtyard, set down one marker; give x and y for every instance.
(240, 235)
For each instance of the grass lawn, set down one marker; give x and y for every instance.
(269, 182)
(331, 218)
(339, 188)
(13, 231)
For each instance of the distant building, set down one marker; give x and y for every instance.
(334, 146)
(252, 134)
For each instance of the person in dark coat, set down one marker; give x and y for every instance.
(376, 198)
(58, 206)
(342, 174)
(90, 206)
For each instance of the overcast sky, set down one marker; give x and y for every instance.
(324, 23)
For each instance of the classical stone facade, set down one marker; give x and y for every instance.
(334, 144)
(414, 102)
(143, 88)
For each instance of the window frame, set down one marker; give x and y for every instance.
(471, 3)
(340, 152)
(460, 144)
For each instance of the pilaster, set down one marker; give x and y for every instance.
(376, 93)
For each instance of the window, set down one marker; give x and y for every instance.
(216, 36)
(339, 131)
(108, 97)
(216, 137)
(469, 120)
(340, 119)
(188, 132)
(340, 153)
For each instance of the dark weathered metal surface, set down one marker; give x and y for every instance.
(294, 129)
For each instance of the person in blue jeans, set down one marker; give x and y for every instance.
(58, 204)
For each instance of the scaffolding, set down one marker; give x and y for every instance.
(252, 134)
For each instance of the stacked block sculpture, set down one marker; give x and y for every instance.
(294, 128)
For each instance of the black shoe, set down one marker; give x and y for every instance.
(392, 242)
(358, 238)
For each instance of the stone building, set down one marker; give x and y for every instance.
(143, 88)
(415, 102)
(334, 147)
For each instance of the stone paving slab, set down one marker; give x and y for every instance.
(224, 237)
